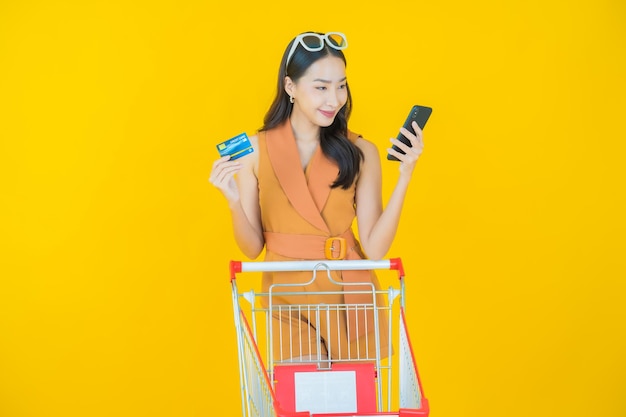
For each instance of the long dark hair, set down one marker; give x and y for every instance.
(334, 138)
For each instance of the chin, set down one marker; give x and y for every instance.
(325, 122)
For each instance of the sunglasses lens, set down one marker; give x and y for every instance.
(336, 40)
(312, 42)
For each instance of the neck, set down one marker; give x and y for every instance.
(303, 129)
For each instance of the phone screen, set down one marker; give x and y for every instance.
(419, 114)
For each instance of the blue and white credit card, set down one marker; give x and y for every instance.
(235, 147)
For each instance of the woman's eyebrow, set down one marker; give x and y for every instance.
(328, 81)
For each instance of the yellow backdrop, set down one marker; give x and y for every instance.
(114, 292)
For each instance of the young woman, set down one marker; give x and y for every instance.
(299, 192)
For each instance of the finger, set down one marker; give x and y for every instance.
(417, 129)
(220, 161)
(409, 135)
(395, 153)
(416, 141)
(404, 158)
(223, 163)
(224, 173)
(411, 153)
(228, 172)
(418, 135)
(400, 144)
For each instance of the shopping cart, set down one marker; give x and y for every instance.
(357, 382)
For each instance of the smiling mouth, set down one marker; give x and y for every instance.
(327, 113)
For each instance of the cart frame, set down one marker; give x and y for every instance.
(258, 370)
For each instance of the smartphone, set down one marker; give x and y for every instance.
(419, 114)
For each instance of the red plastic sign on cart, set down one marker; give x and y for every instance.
(345, 388)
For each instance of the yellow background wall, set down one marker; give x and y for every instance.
(114, 293)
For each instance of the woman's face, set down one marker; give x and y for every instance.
(321, 92)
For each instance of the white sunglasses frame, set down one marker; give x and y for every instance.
(323, 38)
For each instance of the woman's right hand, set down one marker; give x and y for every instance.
(223, 178)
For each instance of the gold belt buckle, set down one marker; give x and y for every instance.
(329, 248)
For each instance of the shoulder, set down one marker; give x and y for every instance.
(251, 161)
(371, 159)
(371, 164)
(258, 138)
(363, 144)
(254, 139)
(366, 146)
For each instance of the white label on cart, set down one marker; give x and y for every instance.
(326, 391)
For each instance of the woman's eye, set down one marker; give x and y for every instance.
(321, 87)
(342, 86)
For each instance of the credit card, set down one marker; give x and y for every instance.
(235, 147)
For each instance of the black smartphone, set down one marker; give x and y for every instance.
(419, 114)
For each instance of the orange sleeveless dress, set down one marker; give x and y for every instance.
(299, 211)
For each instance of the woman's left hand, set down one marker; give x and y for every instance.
(411, 153)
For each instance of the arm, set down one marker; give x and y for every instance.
(238, 183)
(378, 226)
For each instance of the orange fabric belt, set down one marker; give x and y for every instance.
(313, 247)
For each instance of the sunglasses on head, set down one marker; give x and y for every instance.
(314, 42)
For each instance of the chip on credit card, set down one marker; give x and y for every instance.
(236, 147)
